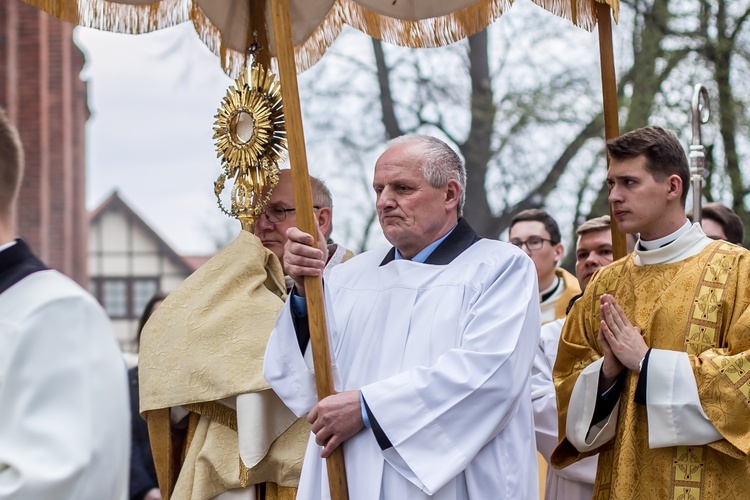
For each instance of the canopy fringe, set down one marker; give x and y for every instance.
(433, 32)
(130, 19)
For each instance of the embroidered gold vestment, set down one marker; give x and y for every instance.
(701, 306)
(201, 350)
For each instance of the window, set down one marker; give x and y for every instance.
(115, 298)
(142, 290)
(124, 298)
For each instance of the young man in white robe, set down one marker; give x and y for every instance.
(432, 341)
(535, 232)
(64, 417)
(575, 482)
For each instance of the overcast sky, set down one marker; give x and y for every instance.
(152, 100)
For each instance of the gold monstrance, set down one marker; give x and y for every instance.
(251, 142)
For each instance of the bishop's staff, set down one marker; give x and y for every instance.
(700, 114)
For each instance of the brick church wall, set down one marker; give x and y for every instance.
(41, 90)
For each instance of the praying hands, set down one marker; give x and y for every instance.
(622, 343)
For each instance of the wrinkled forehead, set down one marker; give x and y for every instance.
(283, 194)
(401, 158)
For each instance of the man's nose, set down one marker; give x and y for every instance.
(614, 194)
(263, 224)
(385, 200)
(597, 260)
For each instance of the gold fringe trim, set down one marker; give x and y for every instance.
(216, 412)
(232, 62)
(433, 32)
(244, 473)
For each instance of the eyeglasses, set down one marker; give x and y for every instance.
(533, 244)
(278, 214)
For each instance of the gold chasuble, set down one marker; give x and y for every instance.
(698, 306)
(203, 350)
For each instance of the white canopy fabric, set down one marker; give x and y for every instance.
(223, 25)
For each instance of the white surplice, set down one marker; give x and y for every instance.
(442, 355)
(64, 416)
(575, 482)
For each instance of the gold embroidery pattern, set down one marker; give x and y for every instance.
(704, 323)
(688, 466)
(604, 473)
(736, 370)
(608, 282)
(705, 313)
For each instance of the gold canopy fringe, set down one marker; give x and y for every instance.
(116, 17)
(433, 32)
(580, 12)
(232, 62)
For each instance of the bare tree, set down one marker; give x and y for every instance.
(527, 117)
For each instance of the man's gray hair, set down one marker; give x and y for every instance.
(321, 198)
(441, 163)
(321, 195)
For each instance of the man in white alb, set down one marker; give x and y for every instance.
(64, 417)
(432, 341)
(575, 482)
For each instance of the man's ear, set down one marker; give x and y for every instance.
(325, 218)
(452, 195)
(559, 252)
(675, 187)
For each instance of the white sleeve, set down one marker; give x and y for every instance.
(578, 428)
(64, 419)
(675, 414)
(545, 408)
(290, 374)
(543, 402)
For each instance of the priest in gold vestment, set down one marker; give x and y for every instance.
(653, 367)
(217, 430)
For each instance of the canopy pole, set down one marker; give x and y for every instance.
(303, 200)
(609, 98)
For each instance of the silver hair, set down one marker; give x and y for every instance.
(441, 163)
(321, 197)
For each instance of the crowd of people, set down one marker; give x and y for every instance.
(464, 367)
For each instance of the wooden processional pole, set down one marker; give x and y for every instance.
(609, 97)
(303, 200)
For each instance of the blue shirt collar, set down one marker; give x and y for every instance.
(426, 251)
